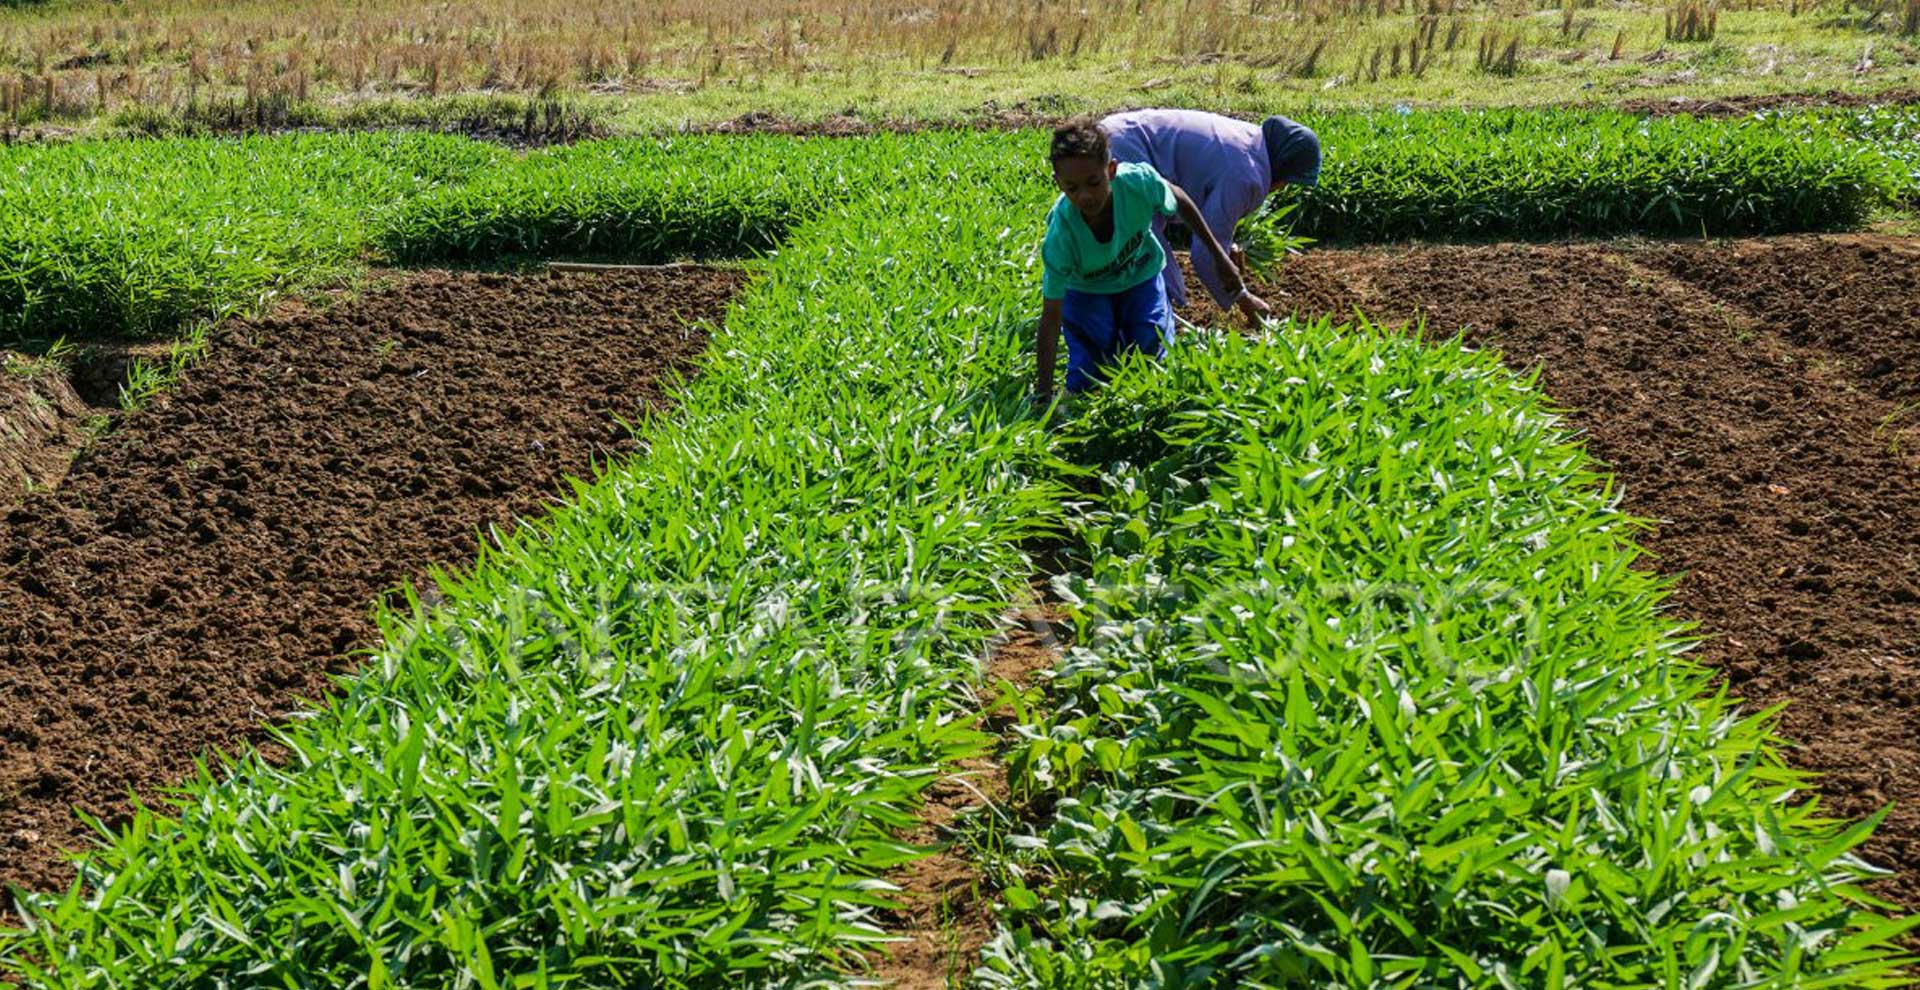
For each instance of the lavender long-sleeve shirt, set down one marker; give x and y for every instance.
(1221, 163)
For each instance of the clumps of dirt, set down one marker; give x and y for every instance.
(1741, 395)
(946, 904)
(505, 120)
(43, 421)
(842, 124)
(1740, 106)
(1853, 298)
(502, 119)
(213, 560)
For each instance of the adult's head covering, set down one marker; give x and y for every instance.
(1293, 151)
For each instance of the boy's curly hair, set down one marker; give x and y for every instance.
(1079, 138)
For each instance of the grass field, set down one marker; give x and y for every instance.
(89, 64)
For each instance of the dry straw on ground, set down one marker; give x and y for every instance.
(91, 58)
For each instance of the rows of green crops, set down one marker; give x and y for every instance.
(652, 201)
(660, 740)
(137, 237)
(1367, 694)
(1517, 174)
(1388, 176)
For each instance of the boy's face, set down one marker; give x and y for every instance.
(1086, 182)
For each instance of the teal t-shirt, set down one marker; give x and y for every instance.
(1073, 259)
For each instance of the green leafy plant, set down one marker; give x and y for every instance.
(1267, 237)
(1368, 693)
(1522, 174)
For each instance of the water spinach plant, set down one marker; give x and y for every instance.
(664, 737)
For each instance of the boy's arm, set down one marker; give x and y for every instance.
(1190, 215)
(1048, 347)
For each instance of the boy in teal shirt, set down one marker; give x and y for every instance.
(1101, 262)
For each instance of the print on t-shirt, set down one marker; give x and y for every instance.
(1128, 257)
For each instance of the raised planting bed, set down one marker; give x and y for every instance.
(1756, 401)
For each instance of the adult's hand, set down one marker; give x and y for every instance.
(1255, 308)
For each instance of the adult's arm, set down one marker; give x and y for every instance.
(1227, 205)
(1237, 293)
(1203, 232)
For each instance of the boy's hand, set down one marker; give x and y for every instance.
(1043, 392)
(1244, 299)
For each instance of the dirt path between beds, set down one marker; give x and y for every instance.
(946, 913)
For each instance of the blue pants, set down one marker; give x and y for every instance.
(1101, 329)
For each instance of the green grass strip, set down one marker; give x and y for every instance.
(140, 237)
(1515, 174)
(655, 200)
(1369, 694)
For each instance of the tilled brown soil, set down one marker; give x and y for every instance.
(1756, 401)
(945, 913)
(212, 561)
(1740, 106)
